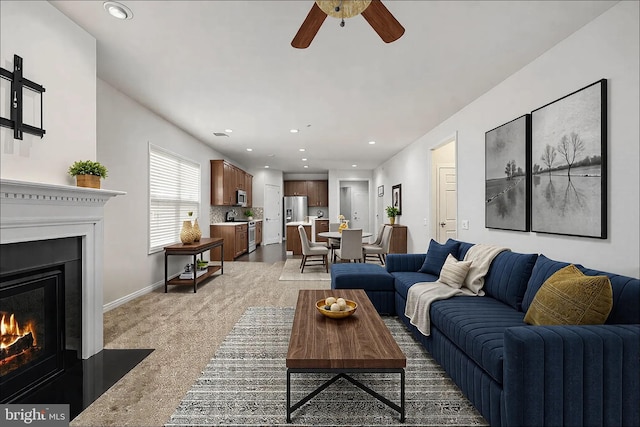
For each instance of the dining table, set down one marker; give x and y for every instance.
(337, 235)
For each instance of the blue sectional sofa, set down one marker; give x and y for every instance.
(517, 374)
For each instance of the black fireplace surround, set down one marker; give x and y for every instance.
(41, 286)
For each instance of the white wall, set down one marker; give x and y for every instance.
(262, 177)
(608, 47)
(125, 129)
(60, 56)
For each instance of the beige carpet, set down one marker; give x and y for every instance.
(185, 329)
(291, 271)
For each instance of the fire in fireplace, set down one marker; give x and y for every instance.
(17, 344)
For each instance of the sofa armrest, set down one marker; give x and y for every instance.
(572, 375)
(404, 262)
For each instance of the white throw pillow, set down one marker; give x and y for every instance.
(454, 272)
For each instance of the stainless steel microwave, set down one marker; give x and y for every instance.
(241, 198)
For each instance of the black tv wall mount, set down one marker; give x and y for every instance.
(18, 83)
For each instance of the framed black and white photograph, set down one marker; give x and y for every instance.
(380, 190)
(507, 150)
(396, 197)
(569, 164)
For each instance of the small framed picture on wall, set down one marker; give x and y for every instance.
(380, 190)
(396, 197)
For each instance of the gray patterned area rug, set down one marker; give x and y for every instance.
(245, 384)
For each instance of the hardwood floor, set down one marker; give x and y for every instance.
(266, 253)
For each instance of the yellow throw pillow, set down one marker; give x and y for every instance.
(454, 272)
(569, 297)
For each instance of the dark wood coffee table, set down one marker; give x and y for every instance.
(365, 345)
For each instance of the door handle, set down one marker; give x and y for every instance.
(442, 224)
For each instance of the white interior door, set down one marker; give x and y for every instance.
(272, 224)
(360, 210)
(447, 204)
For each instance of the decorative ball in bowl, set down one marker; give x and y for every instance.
(336, 308)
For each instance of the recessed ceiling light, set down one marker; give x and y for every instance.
(249, 149)
(228, 130)
(117, 10)
(354, 166)
(304, 159)
(306, 166)
(266, 166)
(371, 142)
(271, 155)
(301, 149)
(294, 131)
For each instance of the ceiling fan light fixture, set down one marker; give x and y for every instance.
(117, 10)
(343, 8)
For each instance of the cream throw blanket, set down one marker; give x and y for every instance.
(421, 295)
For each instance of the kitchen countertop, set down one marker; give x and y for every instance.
(296, 223)
(234, 222)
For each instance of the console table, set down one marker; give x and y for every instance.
(194, 249)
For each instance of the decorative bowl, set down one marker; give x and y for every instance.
(351, 308)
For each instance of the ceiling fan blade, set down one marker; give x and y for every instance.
(309, 28)
(383, 22)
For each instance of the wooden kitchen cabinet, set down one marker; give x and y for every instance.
(258, 233)
(226, 179)
(248, 187)
(322, 225)
(235, 238)
(293, 238)
(398, 243)
(295, 188)
(318, 193)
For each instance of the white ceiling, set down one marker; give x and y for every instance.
(211, 65)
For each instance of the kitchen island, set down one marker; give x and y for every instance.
(294, 244)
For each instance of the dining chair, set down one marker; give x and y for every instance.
(311, 251)
(350, 245)
(381, 250)
(379, 235)
(333, 243)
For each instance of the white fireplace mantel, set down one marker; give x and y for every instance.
(34, 211)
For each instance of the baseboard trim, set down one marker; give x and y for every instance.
(125, 299)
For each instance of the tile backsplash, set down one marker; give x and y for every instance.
(217, 213)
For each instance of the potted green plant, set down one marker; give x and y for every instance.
(249, 214)
(88, 173)
(392, 212)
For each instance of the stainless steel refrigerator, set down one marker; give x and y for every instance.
(295, 209)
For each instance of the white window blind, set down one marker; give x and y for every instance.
(174, 190)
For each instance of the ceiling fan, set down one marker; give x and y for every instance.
(373, 11)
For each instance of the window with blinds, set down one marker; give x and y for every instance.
(174, 190)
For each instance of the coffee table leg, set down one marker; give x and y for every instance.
(402, 413)
(288, 396)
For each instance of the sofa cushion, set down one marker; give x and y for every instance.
(569, 297)
(542, 270)
(476, 325)
(437, 255)
(406, 279)
(508, 276)
(463, 248)
(453, 272)
(626, 294)
(370, 277)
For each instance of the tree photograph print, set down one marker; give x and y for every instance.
(506, 182)
(568, 164)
